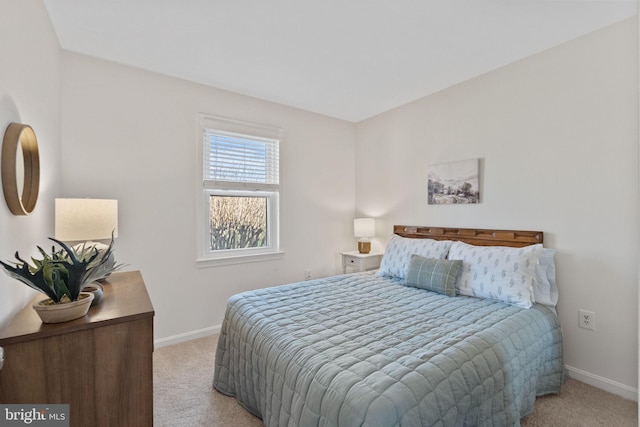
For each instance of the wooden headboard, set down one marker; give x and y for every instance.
(472, 236)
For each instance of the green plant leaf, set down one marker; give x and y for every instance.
(64, 272)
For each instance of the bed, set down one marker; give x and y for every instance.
(399, 346)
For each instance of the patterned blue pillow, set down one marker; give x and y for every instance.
(397, 254)
(436, 275)
(496, 272)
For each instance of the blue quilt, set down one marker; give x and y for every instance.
(362, 350)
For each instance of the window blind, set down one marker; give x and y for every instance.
(236, 161)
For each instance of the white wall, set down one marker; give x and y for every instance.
(131, 135)
(29, 93)
(558, 137)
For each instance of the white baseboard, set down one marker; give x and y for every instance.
(606, 384)
(187, 336)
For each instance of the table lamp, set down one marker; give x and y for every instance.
(364, 228)
(90, 222)
(83, 220)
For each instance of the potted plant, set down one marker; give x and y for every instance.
(61, 276)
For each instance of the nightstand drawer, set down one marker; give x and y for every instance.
(350, 260)
(360, 262)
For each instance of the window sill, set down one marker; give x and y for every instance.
(238, 259)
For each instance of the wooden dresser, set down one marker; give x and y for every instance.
(101, 364)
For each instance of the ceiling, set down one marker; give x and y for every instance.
(349, 59)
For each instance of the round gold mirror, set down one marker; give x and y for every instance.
(20, 168)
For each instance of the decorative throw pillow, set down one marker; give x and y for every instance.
(397, 254)
(437, 275)
(496, 272)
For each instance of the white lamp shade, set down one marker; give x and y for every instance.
(364, 227)
(86, 219)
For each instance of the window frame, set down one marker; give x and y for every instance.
(205, 256)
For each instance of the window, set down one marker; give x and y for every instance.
(239, 189)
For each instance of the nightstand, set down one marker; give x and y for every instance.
(360, 262)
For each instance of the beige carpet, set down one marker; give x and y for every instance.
(183, 396)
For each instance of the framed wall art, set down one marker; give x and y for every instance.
(454, 183)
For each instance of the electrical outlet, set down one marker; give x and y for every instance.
(587, 320)
(307, 274)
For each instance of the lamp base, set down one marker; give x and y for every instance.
(364, 247)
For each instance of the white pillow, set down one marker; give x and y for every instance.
(545, 289)
(496, 272)
(397, 254)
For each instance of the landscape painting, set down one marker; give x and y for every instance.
(454, 183)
